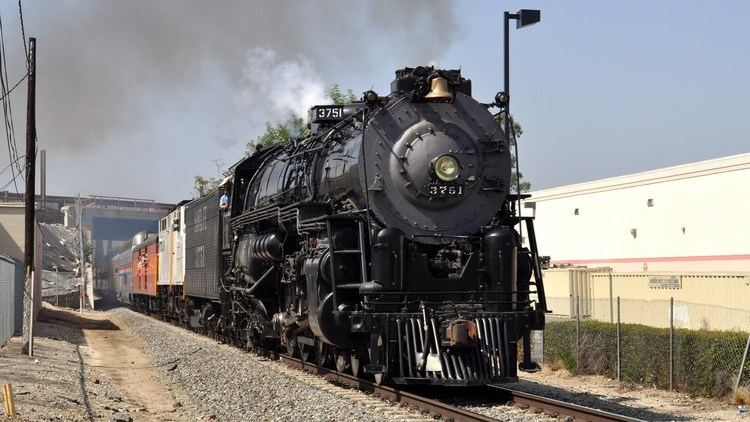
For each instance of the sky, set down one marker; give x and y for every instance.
(136, 98)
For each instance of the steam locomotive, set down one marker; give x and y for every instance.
(385, 244)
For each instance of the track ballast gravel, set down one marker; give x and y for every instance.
(229, 384)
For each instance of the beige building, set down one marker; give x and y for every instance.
(692, 217)
(12, 242)
(718, 301)
(12, 230)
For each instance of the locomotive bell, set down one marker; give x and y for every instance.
(439, 91)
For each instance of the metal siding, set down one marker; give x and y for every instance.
(180, 248)
(11, 300)
(164, 249)
(202, 247)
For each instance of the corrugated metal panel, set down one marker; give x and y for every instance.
(202, 247)
(11, 297)
(581, 290)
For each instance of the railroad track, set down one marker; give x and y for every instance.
(490, 394)
(448, 411)
(433, 407)
(559, 408)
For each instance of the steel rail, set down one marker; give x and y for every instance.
(434, 407)
(561, 408)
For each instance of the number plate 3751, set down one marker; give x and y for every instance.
(446, 190)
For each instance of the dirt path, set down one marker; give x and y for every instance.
(86, 368)
(119, 354)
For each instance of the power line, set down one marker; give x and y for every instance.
(10, 132)
(23, 38)
(23, 78)
(13, 180)
(8, 166)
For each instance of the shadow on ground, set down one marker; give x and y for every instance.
(486, 396)
(70, 319)
(596, 401)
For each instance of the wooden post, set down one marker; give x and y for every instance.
(671, 343)
(10, 409)
(578, 331)
(742, 365)
(619, 351)
(30, 200)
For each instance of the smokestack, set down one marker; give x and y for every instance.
(43, 180)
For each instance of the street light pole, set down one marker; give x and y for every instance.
(506, 74)
(523, 17)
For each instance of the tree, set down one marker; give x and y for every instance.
(295, 127)
(340, 97)
(514, 176)
(203, 185)
(291, 128)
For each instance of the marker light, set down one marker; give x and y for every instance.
(446, 168)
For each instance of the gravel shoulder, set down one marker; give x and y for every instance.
(230, 384)
(625, 398)
(77, 373)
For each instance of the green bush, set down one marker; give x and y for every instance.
(705, 362)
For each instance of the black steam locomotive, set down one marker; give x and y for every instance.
(385, 243)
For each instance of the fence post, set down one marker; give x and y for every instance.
(31, 317)
(619, 376)
(578, 330)
(671, 343)
(742, 365)
(611, 305)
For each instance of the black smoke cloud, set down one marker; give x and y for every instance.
(107, 66)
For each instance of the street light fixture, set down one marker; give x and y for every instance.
(526, 17)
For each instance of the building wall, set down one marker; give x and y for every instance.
(701, 301)
(12, 242)
(12, 230)
(684, 218)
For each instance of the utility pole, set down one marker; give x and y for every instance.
(43, 178)
(29, 198)
(82, 266)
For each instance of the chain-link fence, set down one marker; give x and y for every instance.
(652, 343)
(61, 288)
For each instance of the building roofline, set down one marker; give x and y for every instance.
(666, 174)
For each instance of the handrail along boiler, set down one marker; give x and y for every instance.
(385, 242)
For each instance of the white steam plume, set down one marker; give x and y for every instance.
(285, 87)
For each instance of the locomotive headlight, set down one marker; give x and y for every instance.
(446, 168)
